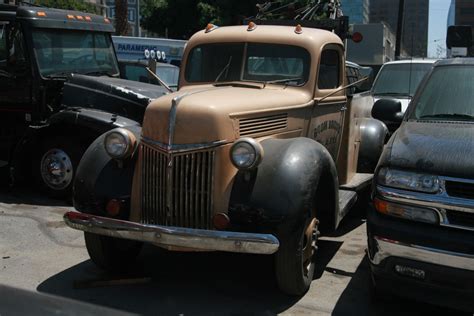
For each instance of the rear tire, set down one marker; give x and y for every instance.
(112, 254)
(294, 261)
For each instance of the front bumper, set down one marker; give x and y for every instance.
(444, 255)
(174, 237)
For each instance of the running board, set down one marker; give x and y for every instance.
(358, 182)
(347, 199)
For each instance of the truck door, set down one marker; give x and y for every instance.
(15, 87)
(326, 124)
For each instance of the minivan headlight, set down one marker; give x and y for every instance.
(119, 143)
(408, 180)
(246, 153)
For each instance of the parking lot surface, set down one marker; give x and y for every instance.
(39, 253)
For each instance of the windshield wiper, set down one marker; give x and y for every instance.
(99, 73)
(224, 70)
(286, 81)
(63, 75)
(448, 115)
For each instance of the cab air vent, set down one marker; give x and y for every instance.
(263, 125)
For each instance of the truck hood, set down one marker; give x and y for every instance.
(123, 97)
(206, 114)
(441, 148)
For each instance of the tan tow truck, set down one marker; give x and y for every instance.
(256, 153)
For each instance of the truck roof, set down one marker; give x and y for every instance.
(455, 61)
(42, 17)
(310, 38)
(412, 61)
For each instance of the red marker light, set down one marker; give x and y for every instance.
(88, 18)
(357, 37)
(210, 27)
(106, 20)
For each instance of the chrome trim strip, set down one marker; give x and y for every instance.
(390, 248)
(178, 148)
(426, 199)
(173, 112)
(199, 239)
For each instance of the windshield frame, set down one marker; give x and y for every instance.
(410, 114)
(428, 64)
(244, 63)
(63, 73)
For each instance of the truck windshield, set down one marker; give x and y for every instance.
(276, 63)
(435, 103)
(400, 79)
(65, 52)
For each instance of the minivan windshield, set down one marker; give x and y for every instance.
(436, 103)
(260, 62)
(400, 79)
(69, 51)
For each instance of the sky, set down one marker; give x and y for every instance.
(438, 17)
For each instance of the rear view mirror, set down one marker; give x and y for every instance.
(388, 110)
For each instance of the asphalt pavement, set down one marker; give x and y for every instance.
(39, 253)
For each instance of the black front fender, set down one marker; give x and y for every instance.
(100, 178)
(282, 190)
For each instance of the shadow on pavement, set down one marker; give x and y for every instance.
(27, 196)
(358, 299)
(186, 283)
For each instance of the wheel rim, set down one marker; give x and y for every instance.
(56, 169)
(309, 245)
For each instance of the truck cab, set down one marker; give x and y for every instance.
(257, 152)
(59, 90)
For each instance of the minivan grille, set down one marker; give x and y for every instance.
(177, 188)
(460, 189)
(262, 125)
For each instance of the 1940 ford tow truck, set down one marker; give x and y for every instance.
(256, 153)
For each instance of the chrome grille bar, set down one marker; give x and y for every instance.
(177, 188)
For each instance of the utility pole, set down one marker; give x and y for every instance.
(398, 44)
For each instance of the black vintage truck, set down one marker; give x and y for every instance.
(59, 90)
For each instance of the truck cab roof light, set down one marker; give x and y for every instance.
(211, 27)
(88, 18)
(79, 17)
(252, 26)
(41, 13)
(106, 20)
(71, 17)
(298, 29)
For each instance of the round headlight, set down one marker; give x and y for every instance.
(119, 143)
(246, 153)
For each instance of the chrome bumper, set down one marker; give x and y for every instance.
(174, 237)
(389, 248)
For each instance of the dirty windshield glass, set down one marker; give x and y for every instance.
(400, 79)
(435, 103)
(262, 63)
(61, 53)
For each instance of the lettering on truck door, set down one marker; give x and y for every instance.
(326, 124)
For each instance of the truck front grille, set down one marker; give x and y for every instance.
(176, 189)
(460, 189)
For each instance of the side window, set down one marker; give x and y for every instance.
(329, 69)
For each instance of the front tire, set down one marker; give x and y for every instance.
(112, 254)
(294, 261)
